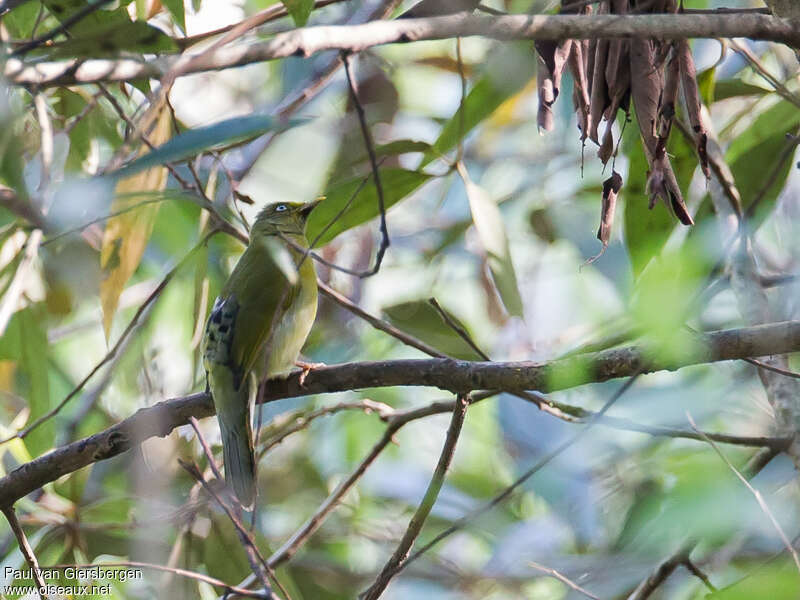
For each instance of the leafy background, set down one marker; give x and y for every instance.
(504, 250)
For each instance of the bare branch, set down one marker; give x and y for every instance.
(452, 375)
(373, 161)
(509, 490)
(254, 557)
(287, 550)
(132, 325)
(400, 555)
(26, 550)
(563, 579)
(662, 572)
(229, 589)
(756, 494)
(355, 38)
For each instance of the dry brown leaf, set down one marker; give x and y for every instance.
(599, 100)
(646, 89)
(669, 95)
(552, 56)
(580, 87)
(691, 96)
(126, 235)
(611, 188)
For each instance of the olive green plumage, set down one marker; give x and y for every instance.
(256, 329)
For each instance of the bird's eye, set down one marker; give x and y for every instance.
(281, 208)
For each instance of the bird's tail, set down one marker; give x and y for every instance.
(234, 407)
(240, 464)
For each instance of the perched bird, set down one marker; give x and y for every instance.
(256, 329)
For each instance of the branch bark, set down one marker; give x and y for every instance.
(355, 38)
(456, 376)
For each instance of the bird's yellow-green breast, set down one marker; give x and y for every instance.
(257, 327)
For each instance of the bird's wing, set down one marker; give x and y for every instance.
(260, 287)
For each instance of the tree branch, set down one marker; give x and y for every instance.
(456, 376)
(400, 554)
(355, 38)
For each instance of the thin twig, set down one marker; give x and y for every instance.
(763, 365)
(772, 177)
(258, 565)
(326, 228)
(62, 28)
(373, 161)
(508, 491)
(302, 419)
(758, 66)
(26, 550)
(695, 570)
(759, 498)
(132, 325)
(395, 563)
(377, 323)
(212, 464)
(287, 550)
(229, 589)
(462, 333)
(563, 579)
(662, 572)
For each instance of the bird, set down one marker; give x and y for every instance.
(256, 329)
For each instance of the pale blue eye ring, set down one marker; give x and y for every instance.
(280, 208)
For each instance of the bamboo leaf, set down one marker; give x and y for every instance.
(126, 235)
(423, 321)
(193, 141)
(492, 233)
(299, 10)
(397, 184)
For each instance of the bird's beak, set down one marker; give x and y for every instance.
(309, 206)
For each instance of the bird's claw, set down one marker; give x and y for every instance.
(307, 367)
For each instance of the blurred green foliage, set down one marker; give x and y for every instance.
(507, 256)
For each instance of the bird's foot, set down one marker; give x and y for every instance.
(307, 367)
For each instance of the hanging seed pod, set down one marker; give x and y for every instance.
(691, 96)
(552, 56)
(580, 87)
(611, 188)
(669, 95)
(647, 87)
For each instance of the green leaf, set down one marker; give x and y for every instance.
(397, 184)
(26, 340)
(754, 154)
(423, 321)
(492, 233)
(646, 230)
(492, 89)
(192, 142)
(175, 8)
(355, 157)
(774, 580)
(21, 20)
(299, 10)
(401, 147)
(91, 23)
(70, 104)
(705, 83)
(732, 88)
(112, 39)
